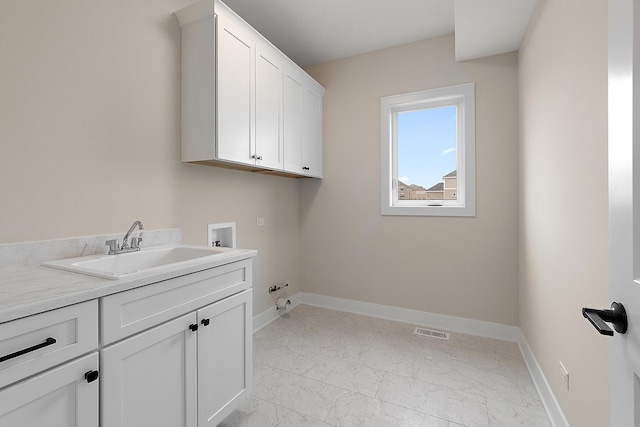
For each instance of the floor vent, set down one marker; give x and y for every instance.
(432, 333)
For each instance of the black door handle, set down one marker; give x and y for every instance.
(616, 315)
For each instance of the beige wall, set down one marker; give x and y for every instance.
(456, 266)
(563, 204)
(90, 136)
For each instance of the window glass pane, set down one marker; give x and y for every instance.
(427, 154)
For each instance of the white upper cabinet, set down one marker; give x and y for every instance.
(269, 136)
(236, 94)
(303, 124)
(293, 116)
(244, 103)
(312, 133)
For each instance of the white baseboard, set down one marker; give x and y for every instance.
(551, 404)
(418, 318)
(433, 320)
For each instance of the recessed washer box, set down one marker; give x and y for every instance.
(224, 233)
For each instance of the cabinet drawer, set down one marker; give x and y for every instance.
(36, 343)
(133, 311)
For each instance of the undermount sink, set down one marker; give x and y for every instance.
(149, 259)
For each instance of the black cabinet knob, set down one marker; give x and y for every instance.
(193, 327)
(91, 376)
(205, 322)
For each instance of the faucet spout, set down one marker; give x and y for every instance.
(125, 240)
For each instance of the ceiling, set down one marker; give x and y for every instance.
(315, 31)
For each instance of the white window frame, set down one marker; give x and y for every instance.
(463, 96)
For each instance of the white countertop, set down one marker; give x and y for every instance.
(29, 290)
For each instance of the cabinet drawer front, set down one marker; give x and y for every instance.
(36, 343)
(58, 397)
(133, 311)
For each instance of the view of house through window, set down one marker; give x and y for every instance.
(427, 154)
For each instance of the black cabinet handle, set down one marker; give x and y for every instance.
(91, 376)
(49, 341)
(193, 327)
(205, 322)
(617, 316)
(305, 168)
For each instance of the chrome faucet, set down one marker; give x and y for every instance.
(116, 248)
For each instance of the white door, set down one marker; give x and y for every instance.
(149, 380)
(224, 357)
(624, 210)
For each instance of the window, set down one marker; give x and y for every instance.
(428, 152)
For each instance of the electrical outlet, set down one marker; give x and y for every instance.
(565, 375)
(260, 221)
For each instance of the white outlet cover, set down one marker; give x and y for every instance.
(565, 375)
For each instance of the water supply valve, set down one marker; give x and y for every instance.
(276, 288)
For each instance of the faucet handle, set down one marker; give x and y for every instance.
(135, 242)
(113, 246)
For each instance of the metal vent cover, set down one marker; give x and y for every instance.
(431, 333)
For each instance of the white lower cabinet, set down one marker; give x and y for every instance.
(174, 353)
(224, 357)
(187, 372)
(150, 378)
(59, 397)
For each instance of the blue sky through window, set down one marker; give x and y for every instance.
(426, 145)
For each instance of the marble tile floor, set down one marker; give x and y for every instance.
(319, 367)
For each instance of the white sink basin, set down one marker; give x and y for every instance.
(146, 260)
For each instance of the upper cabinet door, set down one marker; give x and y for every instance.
(293, 114)
(236, 97)
(198, 84)
(312, 134)
(269, 138)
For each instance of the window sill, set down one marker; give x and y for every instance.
(468, 211)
